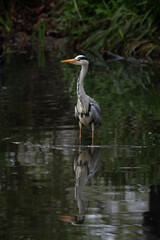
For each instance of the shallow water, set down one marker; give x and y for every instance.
(50, 187)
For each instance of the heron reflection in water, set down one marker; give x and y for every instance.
(85, 166)
(87, 110)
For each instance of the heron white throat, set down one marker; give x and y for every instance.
(87, 110)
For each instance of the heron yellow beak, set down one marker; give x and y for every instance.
(70, 60)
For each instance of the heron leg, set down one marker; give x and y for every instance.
(92, 133)
(80, 132)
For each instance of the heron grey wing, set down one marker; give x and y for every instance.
(96, 115)
(96, 111)
(96, 105)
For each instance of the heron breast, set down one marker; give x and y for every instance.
(85, 118)
(85, 121)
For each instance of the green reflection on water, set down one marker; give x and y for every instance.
(129, 99)
(37, 176)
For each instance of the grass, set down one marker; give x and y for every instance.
(123, 26)
(6, 21)
(119, 26)
(111, 25)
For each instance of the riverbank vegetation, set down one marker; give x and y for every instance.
(121, 26)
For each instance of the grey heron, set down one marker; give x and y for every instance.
(87, 110)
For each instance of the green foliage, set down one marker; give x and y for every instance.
(6, 22)
(110, 24)
(41, 31)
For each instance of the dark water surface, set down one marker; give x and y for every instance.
(50, 187)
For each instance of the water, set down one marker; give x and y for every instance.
(50, 187)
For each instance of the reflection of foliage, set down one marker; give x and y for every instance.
(129, 101)
(23, 98)
(32, 172)
(41, 56)
(126, 166)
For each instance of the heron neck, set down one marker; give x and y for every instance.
(80, 88)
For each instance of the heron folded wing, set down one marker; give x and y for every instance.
(96, 112)
(95, 104)
(76, 113)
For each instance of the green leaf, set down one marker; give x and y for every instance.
(121, 33)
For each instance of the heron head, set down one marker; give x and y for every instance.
(79, 60)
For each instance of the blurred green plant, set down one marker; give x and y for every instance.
(41, 31)
(123, 26)
(6, 21)
(111, 25)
